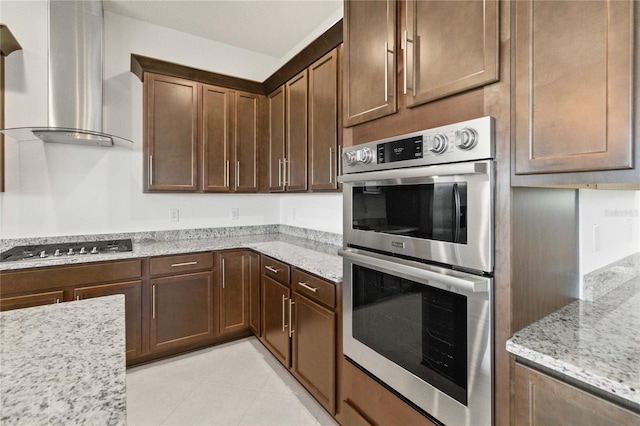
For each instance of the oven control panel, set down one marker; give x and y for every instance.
(471, 140)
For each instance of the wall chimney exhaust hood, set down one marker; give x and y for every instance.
(74, 78)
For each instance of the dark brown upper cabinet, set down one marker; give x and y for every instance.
(171, 134)
(448, 47)
(401, 54)
(573, 91)
(199, 138)
(370, 53)
(230, 121)
(324, 127)
(287, 156)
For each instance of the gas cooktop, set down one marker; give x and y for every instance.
(60, 250)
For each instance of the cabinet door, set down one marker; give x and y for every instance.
(276, 101)
(246, 142)
(323, 122)
(216, 138)
(543, 400)
(314, 350)
(296, 138)
(276, 319)
(171, 134)
(181, 310)
(30, 300)
(573, 85)
(133, 309)
(234, 291)
(449, 47)
(370, 60)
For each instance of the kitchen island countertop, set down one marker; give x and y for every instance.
(64, 364)
(316, 257)
(595, 343)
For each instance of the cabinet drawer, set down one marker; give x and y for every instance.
(179, 264)
(30, 300)
(63, 276)
(276, 270)
(313, 287)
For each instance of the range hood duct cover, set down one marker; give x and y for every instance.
(74, 77)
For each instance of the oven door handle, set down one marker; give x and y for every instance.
(458, 169)
(456, 213)
(459, 280)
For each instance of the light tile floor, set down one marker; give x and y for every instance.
(237, 383)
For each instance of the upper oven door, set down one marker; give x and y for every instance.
(441, 213)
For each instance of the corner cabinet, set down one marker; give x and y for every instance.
(370, 60)
(199, 137)
(239, 276)
(574, 89)
(544, 400)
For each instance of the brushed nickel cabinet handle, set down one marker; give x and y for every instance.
(307, 286)
(150, 169)
(291, 303)
(284, 301)
(237, 174)
(339, 165)
(274, 270)
(330, 165)
(227, 176)
(174, 265)
(279, 172)
(406, 40)
(57, 300)
(153, 301)
(386, 71)
(223, 283)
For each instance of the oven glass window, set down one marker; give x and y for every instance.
(420, 328)
(428, 211)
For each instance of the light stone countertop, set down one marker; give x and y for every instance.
(64, 364)
(316, 257)
(596, 343)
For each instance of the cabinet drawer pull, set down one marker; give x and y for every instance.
(173, 265)
(77, 297)
(308, 287)
(153, 301)
(57, 300)
(274, 270)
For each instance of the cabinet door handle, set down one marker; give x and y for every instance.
(78, 297)
(153, 301)
(406, 40)
(279, 172)
(223, 274)
(308, 287)
(150, 169)
(237, 174)
(57, 300)
(284, 301)
(386, 71)
(269, 268)
(339, 165)
(226, 174)
(285, 175)
(291, 303)
(174, 265)
(330, 165)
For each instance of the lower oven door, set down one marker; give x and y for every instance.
(424, 331)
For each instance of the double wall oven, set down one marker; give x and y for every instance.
(418, 267)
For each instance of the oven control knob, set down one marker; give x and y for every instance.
(364, 155)
(350, 157)
(94, 250)
(57, 253)
(466, 138)
(70, 252)
(83, 250)
(438, 143)
(43, 254)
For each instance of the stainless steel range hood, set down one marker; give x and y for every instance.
(74, 78)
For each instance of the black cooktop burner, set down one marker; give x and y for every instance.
(58, 250)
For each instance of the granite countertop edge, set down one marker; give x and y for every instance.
(318, 258)
(595, 343)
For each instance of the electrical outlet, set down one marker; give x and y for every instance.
(174, 215)
(235, 213)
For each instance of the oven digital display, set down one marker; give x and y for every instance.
(402, 149)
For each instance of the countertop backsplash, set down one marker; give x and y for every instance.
(603, 280)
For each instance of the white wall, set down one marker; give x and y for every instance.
(68, 190)
(609, 227)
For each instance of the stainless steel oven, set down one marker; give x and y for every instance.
(418, 265)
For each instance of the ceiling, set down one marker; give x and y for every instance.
(269, 27)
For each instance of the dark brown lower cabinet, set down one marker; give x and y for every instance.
(133, 309)
(544, 400)
(239, 273)
(181, 310)
(275, 315)
(30, 300)
(314, 349)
